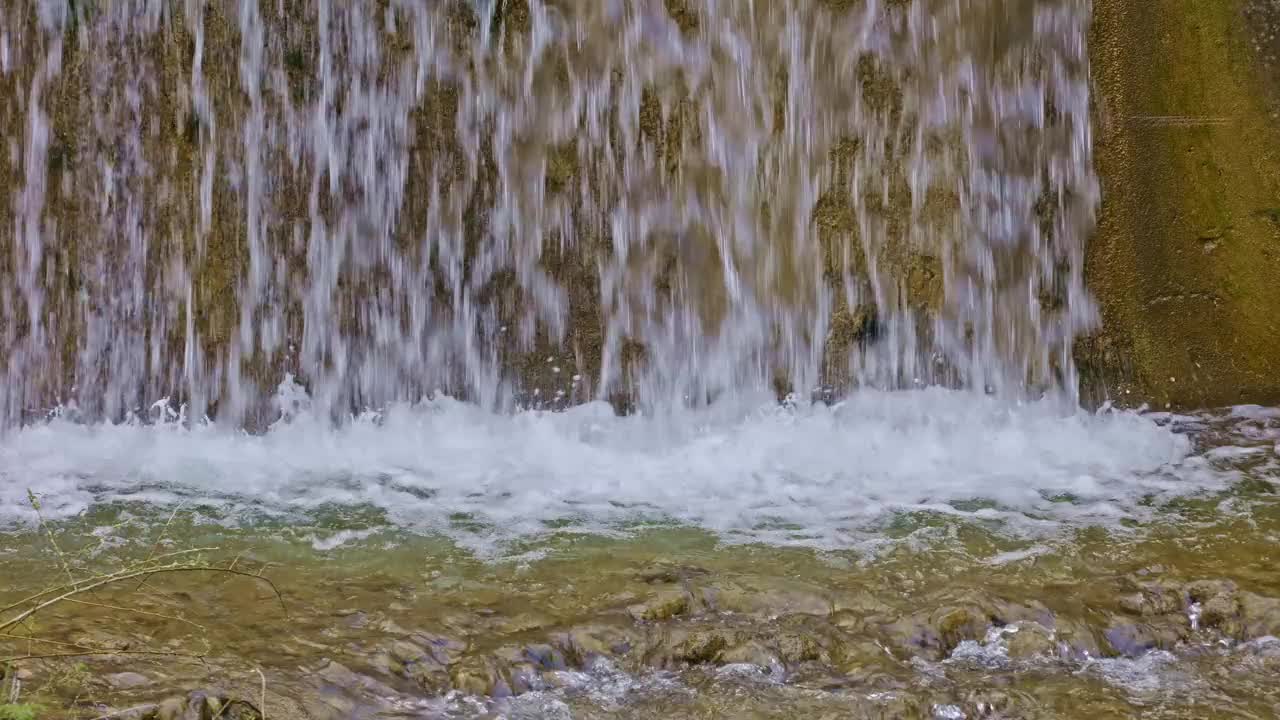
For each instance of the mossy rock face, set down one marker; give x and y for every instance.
(1186, 258)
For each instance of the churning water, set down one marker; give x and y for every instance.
(686, 208)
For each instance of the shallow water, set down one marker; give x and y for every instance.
(971, 561)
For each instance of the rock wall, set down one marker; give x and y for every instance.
(1186, 258)
(535, 201)
(1185, 261)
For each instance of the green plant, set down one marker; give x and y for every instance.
(19, 711)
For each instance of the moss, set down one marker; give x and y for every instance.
(685, 18)
(562, 167)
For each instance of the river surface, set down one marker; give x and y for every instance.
(929, 554)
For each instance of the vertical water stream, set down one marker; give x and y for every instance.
(536, 202)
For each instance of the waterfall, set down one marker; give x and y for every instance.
(537, 203)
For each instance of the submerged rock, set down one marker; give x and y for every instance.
(194, 706)
(666, 605)
(1030, 640)
(127, 680)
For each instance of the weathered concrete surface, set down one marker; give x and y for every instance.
(1186, 260)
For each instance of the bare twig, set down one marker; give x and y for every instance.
(236, 560)
(262, 707)
(108, 653)
(163, 532)
(20, 626)
(159, 539)
(138, 612)
(135, 574)
(101, 541)
(46, 641)
(48, 533)
(131, 568)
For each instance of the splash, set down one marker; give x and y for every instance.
(810, 475)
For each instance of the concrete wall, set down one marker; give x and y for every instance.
(1186, 259)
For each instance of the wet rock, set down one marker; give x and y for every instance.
(240, 710)
(1075, 640)
(199, 706)
(523, 665)
(751, 652)
(888, 706)
(680, 647)
(140, 712)
(1203, 591)
(525, 677)
(329, 705)
(936, 634)
(383, 663)
(420, 650)
(522, 622)
(341, 677)
(546, 657)
(1030, 640)
(1153, 599)
(816, 676)
(232, 710)
(1001, 612)
(867, 661)
(1223, 612)
(431, 677)
(583, 643)
(914, 636)
(851, 622)
(991, 703)
(662, 574)
(471, 676)
(766, 599)
(666, 605)
(797, 648)
(421, 658)
(1218, 606)
(195, 706)
(1260, 616)
(704, 646)
(860, 604)
(1130, 639)
(405, 651)
(127, 680)
(174, 709)
(959, 624)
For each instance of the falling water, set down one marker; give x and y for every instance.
(410, 258)
(537, 202)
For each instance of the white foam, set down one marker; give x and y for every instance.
(1255, 412)
(811, 475)
(338, 539)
